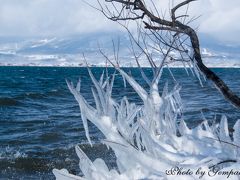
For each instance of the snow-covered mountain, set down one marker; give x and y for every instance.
(69, 51)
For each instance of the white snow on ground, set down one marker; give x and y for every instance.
(68, 52)
(10, 58)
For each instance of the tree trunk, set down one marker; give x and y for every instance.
(220, 85)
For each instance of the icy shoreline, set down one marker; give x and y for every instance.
(151, 140)
(103, 66)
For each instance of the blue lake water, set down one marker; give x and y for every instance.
(40, 120)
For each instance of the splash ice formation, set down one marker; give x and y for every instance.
(152, 141)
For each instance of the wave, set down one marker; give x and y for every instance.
(26, 164)
(9, 102)
(35, 95)
(42, 162)
(13, 154)
(10, 153)
(40, 95)
(51, 136)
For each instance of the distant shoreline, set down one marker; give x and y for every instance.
(93, 66)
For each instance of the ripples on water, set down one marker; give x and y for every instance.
(40, 120)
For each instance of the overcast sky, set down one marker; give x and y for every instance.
(220, 18)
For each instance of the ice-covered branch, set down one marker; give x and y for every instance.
(148, 139)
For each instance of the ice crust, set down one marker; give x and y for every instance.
(151, 138)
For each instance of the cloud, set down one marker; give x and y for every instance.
(221, 20)
(49, 18)
(67, 17)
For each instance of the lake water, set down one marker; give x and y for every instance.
(40, 120)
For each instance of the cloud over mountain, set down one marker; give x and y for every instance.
(63, 18)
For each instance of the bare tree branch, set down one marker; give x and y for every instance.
(178, 6)
(138, 11)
